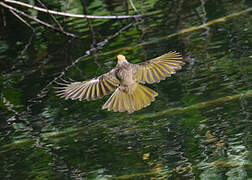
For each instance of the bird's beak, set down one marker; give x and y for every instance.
(121, 58)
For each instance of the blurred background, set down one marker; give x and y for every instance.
(199, 127)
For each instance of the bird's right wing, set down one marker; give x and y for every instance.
(91, 89)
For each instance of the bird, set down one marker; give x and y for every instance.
(126, 81)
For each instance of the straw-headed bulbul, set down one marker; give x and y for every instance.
(126, 80)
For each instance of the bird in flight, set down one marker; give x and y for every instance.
(126, 80)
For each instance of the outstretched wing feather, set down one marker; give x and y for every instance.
(158, 68)
(90, 90)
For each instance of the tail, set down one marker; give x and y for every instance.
(130, 98)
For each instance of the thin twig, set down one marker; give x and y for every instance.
(3, 18)
(89, 23)
(54, 19)
(135, 9)
(69, 14)
(27, 24)
(91, 29)
(21, 19)
(133, 6)
(28, 44)
(37, 20)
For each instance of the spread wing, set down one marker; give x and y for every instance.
(91, 89)
(158, 68)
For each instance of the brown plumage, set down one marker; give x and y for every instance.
(125, 80)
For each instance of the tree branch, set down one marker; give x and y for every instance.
(36, 20)
(69, 14)
(54, 19)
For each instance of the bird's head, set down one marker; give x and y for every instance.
(121, 59)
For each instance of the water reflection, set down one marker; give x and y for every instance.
(198, 128)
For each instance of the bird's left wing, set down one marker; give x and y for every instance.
(91, 89)
(158, 68)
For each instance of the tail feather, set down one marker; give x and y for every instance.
(140, 102)
(146, 100)
(149, 93)
(127, 102)
(116, 103)
(130, 100)
(109, 103)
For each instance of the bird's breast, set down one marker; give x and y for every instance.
(125, 75)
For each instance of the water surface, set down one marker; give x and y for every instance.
(199, 127)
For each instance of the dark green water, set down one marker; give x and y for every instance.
(199, 127)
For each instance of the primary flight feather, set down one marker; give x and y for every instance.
(125, 80)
